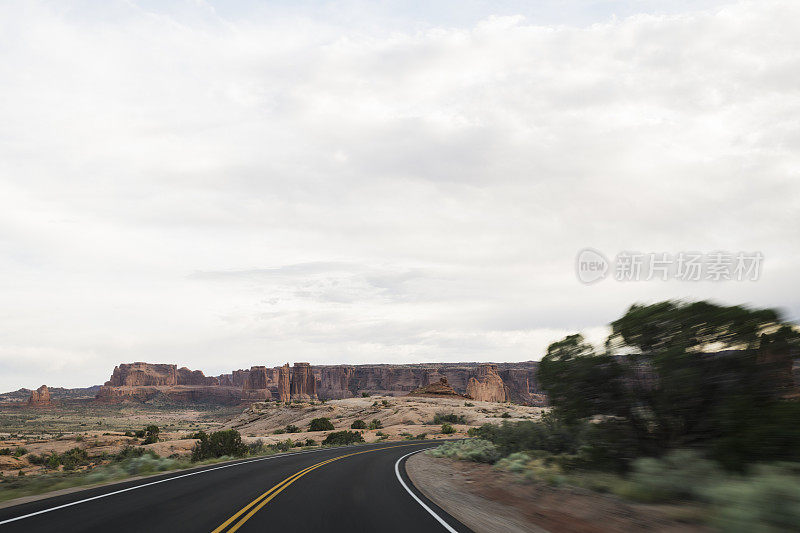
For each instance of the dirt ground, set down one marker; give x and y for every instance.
(489, 501)
(99, 429)
(400, 416)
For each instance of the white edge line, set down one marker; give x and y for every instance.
(277, 456)
(424, 506)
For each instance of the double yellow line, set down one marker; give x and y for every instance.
(254, 506)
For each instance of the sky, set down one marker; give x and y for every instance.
(226, 184)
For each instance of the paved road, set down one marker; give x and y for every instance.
(349, 489)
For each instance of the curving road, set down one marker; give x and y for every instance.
(360, 488)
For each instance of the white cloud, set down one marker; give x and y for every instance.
(218, 189)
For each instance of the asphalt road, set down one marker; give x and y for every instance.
(346, 489)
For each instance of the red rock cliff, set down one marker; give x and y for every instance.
(40, 397)
(487, 385)
(303, 385)
(284, 383)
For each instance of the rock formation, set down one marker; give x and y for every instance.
(303, 383)
(440, 389)
(284, 383)
(40, 397)
(142, 382)
(514, 382)
(487, 385)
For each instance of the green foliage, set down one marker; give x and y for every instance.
(365, 395)
(218, 444)
(375, 424)
(551, 434)
(767, 501)
(358, 424)
(477, 450)
(421, 436)
(257, 447)
(680, 475)
(447, 429)
(451, 418)
(311, 442)
(469, 404)
(151, 434)
(291, 428)
(71, 459)
(385, 403)
(666, 393)
(341, 438)
(320, 424)
(540, 467)
(505, 415)
(279, 431)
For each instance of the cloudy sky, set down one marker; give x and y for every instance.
(219, 185)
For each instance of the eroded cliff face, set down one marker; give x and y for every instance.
(303, 384)
(40, 397)
(488, 382)
(142, 382)
(487, 385)
(284, 383)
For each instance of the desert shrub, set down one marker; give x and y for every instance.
(291, 428)
(218, 444)
(451, 418)
(375, 424)
(550, 434)
(541, 467)
(320, 424)
(506, 415)
(311, 442)
(73, 458)
(421, 436)
(447, 429)
(5, 451)
(767, 501)
(151, 434)
(385, 403)
(681, 474)
(477, 450)
(358, 424)
(129, 433)
(256, 447)
(365, 395)
(340, 438)
(20, 451)
(469, 404)
(129, 452)
(279, 431)
(79, 438)
(147, 464)
(283, 446)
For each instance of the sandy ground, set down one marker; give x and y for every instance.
(489, 501)
(399, 416)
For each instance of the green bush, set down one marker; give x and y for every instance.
(421, 436)
(340, 438)
(477, 450)
(447, 429)
(256, 447)
(311, 442)
(680, 475)
(542, 467)
(218, 444)
(320, 424)
(365, 395)
(506, 415)
(451, 418)
(768, 501)
(291, 428)
(375, 424)
(150, 434)
(358, 424)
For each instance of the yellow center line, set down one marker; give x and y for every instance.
(278, 488)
